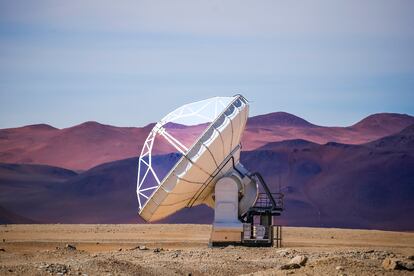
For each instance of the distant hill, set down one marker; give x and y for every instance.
(384, 123)
(83, 146)
(278, 119)
(280, 126)
(89, 144)
(332, 185)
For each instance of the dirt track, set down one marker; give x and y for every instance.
(183, 249)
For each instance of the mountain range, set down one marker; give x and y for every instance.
(361, 176)
(89, 144)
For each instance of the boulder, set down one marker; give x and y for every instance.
(408, 265)
(300, 260)
(339, 268)
(397, 264)
(70, 246)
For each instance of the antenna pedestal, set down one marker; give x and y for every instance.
(227, 229)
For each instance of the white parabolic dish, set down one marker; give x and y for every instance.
(192, 179)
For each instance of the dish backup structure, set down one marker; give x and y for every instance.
(202, 166)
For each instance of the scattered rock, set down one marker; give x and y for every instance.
(2, 250)
(175, 255)
(140, 247)
(300, 260)
(390, 264)
(409, 265)
(381, 255)
(339, 267)
(397, 264)
(57, 268)
(70, 246)
(411, 257)
(120, 249)
(290, 266)
(158, 250)
(283, 253)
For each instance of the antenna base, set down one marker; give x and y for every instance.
(227, 229)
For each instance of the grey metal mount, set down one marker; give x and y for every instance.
(234, 194)
(237, 203)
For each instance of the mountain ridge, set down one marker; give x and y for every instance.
(279, 118)
(276, 115)
(86, 145)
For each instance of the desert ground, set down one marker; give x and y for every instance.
(161, 249)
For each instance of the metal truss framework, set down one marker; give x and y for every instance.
(206, 111)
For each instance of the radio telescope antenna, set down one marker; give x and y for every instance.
(206, 170)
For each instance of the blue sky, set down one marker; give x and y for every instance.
(128, 63)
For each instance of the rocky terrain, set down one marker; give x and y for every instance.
(183, 250)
